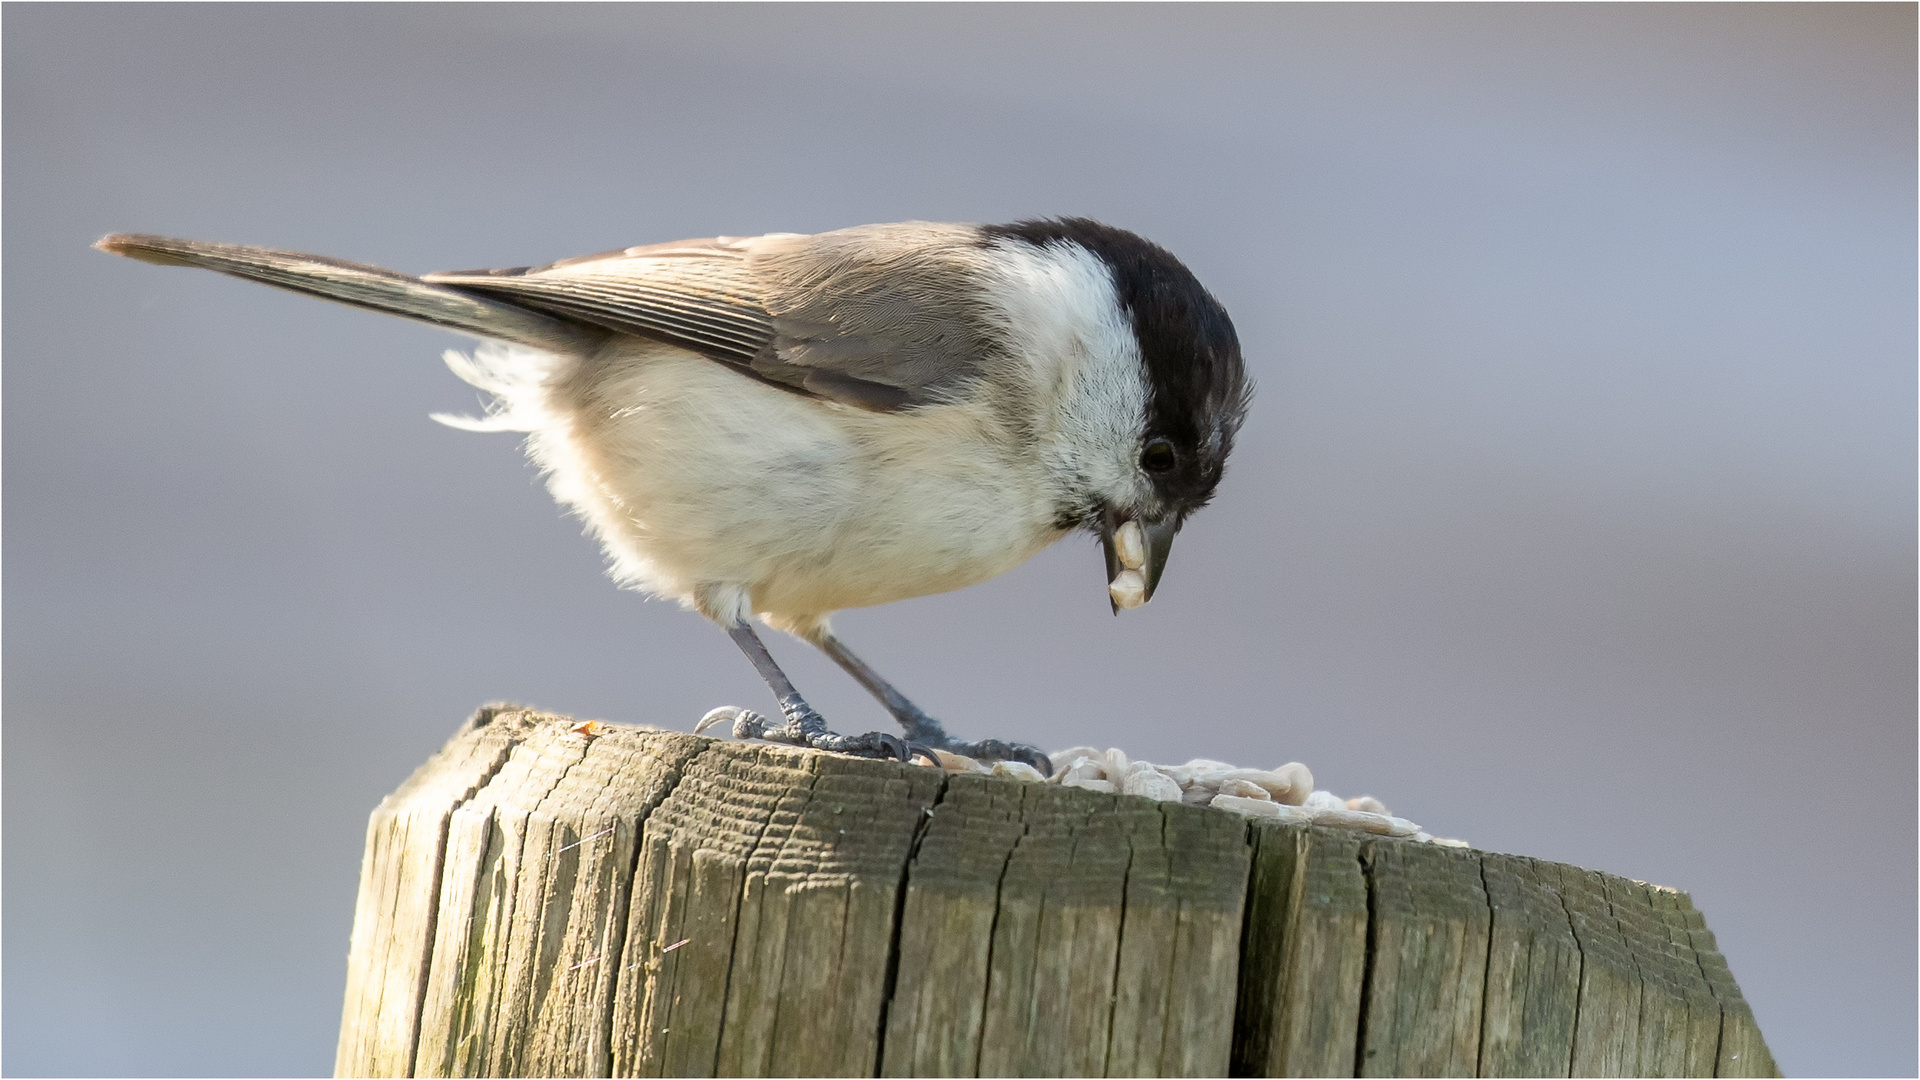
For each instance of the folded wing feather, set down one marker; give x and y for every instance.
(881, 317)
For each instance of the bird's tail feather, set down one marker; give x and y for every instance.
(363, 286)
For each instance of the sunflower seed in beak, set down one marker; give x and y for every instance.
(1130, 545)
(1136, 552)
(1128, 589)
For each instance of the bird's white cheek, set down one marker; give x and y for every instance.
(1062, 315)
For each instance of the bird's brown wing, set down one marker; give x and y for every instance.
(882, 317)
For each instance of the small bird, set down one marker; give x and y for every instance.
(787, 425)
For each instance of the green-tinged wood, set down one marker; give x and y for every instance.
(1533, 971)
(1304, 954)
(393, 922)
(1428, 965)
(551, 899)
(474, 976)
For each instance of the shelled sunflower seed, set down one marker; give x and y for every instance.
(1285, 793)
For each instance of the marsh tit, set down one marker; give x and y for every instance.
(786, 425)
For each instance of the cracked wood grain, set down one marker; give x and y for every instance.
(1179, 943)
(1048, 931)
(1304, 954)
(1741, 1050)
(1056, 942)
(1427, 968)
(816, 924)
(763, 924)
(1533, 971)
(540, 901)
(1648, 1006)
(399, 896)
(1679, 1018)
(534, 904)
(938, 1008)
(1606, 1035)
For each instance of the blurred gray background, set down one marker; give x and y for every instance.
(1575, 517)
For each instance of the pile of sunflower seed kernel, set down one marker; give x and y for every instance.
(1283, 794)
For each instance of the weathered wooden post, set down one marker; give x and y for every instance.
(551, 899)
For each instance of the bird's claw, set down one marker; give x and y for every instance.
(995, 750)
(925, 731)
(742, 723)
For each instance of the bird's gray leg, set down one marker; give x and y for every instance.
(921, 729)
(804, 726)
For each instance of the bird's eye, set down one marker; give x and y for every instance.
(1159, 456)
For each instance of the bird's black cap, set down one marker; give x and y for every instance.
(1197, 382)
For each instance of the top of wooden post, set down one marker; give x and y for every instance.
(543, 898)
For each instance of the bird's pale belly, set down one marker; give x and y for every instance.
(854, 574)
(695, 476)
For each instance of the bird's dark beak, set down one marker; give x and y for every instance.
(1136, 554)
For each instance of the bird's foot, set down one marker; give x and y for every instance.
(805, 727)
(924, 730)
(996, 750)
